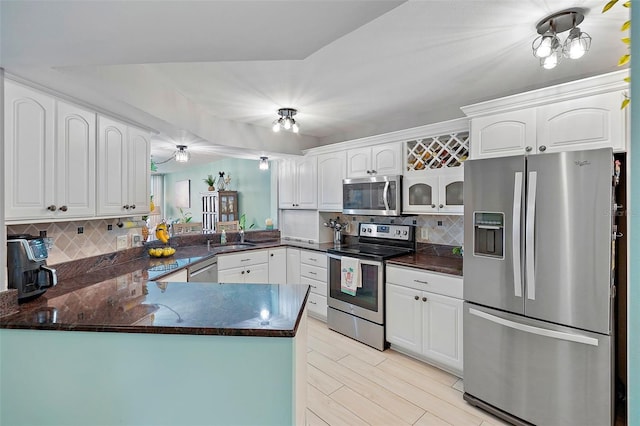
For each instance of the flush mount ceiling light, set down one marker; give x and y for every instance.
(182, 156)
(286, 120)
(264, 163)
(547, 46)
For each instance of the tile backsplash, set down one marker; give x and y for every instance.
(69, 244)
(444, 229)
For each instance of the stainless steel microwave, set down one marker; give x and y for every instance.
(375, 195)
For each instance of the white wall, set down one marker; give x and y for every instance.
(3, 233)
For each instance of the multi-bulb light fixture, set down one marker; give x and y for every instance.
(264, 163)
(286, 120)
(547, 46)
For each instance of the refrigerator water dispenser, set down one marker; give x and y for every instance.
(488, 234)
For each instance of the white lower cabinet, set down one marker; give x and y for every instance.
(423, 322)
(278, 265)
(313, 271)
(246, 267)
(293, 265)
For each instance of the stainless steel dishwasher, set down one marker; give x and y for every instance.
(205, 271)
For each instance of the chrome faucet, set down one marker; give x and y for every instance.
(242, 236)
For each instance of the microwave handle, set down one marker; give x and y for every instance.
(385, 195)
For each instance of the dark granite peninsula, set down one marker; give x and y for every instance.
(126, 351)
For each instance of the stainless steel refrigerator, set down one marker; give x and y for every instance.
(538, 287)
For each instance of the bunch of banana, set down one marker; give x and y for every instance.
(161, 251)
(162, 233)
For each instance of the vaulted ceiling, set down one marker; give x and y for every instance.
(212, 74)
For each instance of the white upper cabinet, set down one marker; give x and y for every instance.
(585, 123)
(297, 183)
(582, 114)
(49, 157)
(379, 160)
(123, 169)
(501, 135)
(331, 170)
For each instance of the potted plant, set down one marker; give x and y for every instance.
(211, 181)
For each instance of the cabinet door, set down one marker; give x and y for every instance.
(420, 192)
(286, 184)
(442, 329)
(257, 274)
(307, 188)
(139, 171)
(404, 317)
(278, 266)
(75, 162)
(450, 190)
(359, 162)
(293, 265)
(112, 168)
(29, 152)
(232, 275)
(331, 171)
(585, 123)
(505, 134)
(385, 159)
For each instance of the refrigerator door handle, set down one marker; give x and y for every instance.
(530, 235)
(515, 241)
(559, 335)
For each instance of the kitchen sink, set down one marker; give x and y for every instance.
(231, 247)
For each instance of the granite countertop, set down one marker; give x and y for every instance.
(431, 257)
(125, 297)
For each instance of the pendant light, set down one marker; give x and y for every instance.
(547, 46)
(286, 120)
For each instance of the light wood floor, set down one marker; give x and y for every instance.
(352, 384)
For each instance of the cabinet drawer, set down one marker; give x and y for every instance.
(447, 285)
(244, 258)
(313, 258)
(317, 305)
(313, 272)
(317, 287)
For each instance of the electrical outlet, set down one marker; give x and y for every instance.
(121, 242)
(424, 233)
(136, 240)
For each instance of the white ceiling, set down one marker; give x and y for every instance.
(212, 74)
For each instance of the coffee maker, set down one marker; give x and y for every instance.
(27, 266)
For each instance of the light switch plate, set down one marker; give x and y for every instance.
(136, 240)
(121, 242)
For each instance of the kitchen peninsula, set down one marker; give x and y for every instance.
(127, 351)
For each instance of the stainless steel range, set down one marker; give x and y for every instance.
(356, 295)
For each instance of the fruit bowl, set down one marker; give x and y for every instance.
(161, 251)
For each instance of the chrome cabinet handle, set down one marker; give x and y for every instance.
(416, 297)
(126, 207)
(271, 254)
(244, 260)
(63, 208)
(421, 282)
(133, 206)
(424, 299)
(433, 206)
(52, 208)
(373, 172)
(312, 302)
(542, 148)
(248, 271)
(312, 273)
(242, 273)
(368, 172)
(441, 205)
(528, 149)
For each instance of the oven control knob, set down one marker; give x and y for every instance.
(405, 233)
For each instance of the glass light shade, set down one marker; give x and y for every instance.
(182, 156)
(295, 128)
(550, 61)
(544, 45)
(264, 163)
(576, 44)
(287, 123)
(276, 126)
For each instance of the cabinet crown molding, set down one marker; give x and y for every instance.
(456, 125)
(603, 83)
